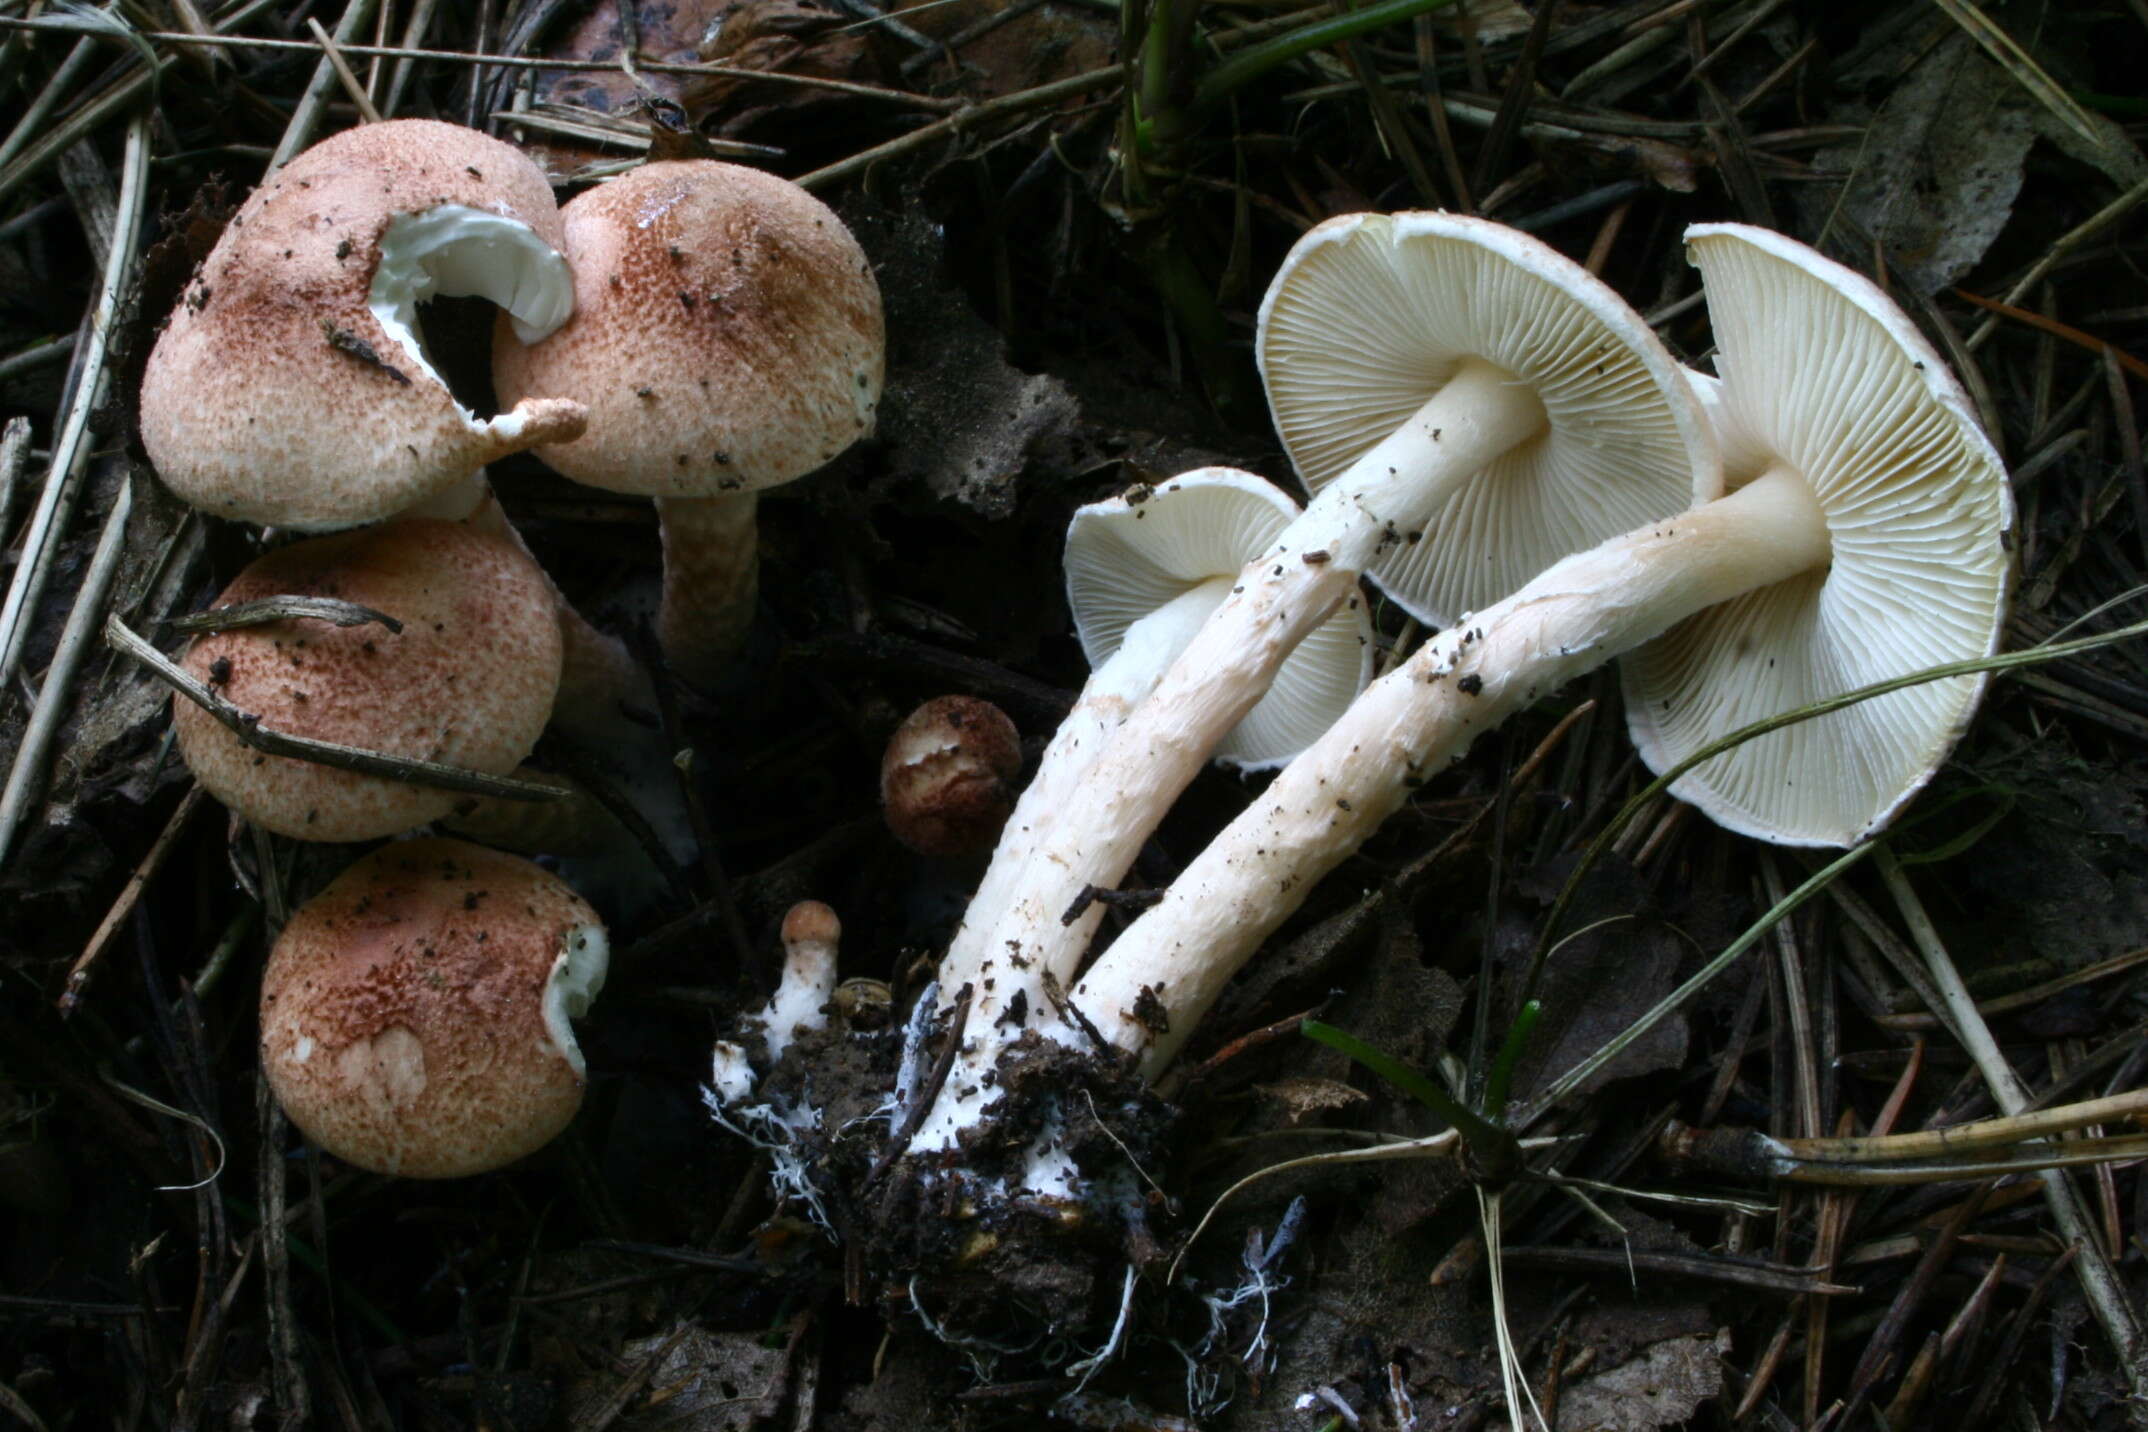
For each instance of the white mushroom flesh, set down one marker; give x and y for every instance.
(455, 251)
(576, 980)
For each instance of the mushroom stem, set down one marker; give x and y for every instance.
(811, 933)
(1280, 597)
(1113, 690)
(1579, 613)
(711, 581)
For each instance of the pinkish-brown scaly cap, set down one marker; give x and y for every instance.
(289, 387)
(468, 681)
(726, 336)
(414, 1015)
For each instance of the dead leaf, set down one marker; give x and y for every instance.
(1300, 1099)
(783, 36)
(702, 1382)
(1939, 167)
(956, 414)
(1029, 48)
(1596, 984)
(1666, 1384)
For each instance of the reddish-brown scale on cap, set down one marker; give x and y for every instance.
(468, 681)
(727, 337)
(403, 1010)
(274, 394)
(947, 778)
(727, 334)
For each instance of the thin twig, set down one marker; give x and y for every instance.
(299, 132)
(2099, 1280)
(408, 53)
(78, 974)
(55, 699)
(351, 86)
(70, 451)
(248, 728)
(14, 457)
(281, 608)
(1020, 102)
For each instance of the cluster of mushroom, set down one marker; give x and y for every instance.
(693, 330)
(1509, 452)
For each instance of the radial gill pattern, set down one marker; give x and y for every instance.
(1371, 318)
(1130, 555)
(1823, 375)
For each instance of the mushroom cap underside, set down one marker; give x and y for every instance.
(1371, 314)
(1129, 555)
(1821, 373)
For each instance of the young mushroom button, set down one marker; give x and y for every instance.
(289, 385)
(727, 337)
(947, 776)
(414, 1015)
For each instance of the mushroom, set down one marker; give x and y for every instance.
(1145, 570)
(1864, 538)
(804, 993)
(726, 337)
(289, 386)
(947, 776)
(1531, 376)
(1484, 396)
(468, 679)
(811, 933)
(414, 1014)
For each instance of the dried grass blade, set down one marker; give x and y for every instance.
(71, 449)
(2018, 63)
(54, 700)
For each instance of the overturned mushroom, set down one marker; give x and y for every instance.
(1532, 376)
(289, 386)
(1145, 570)
(1864, 538)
